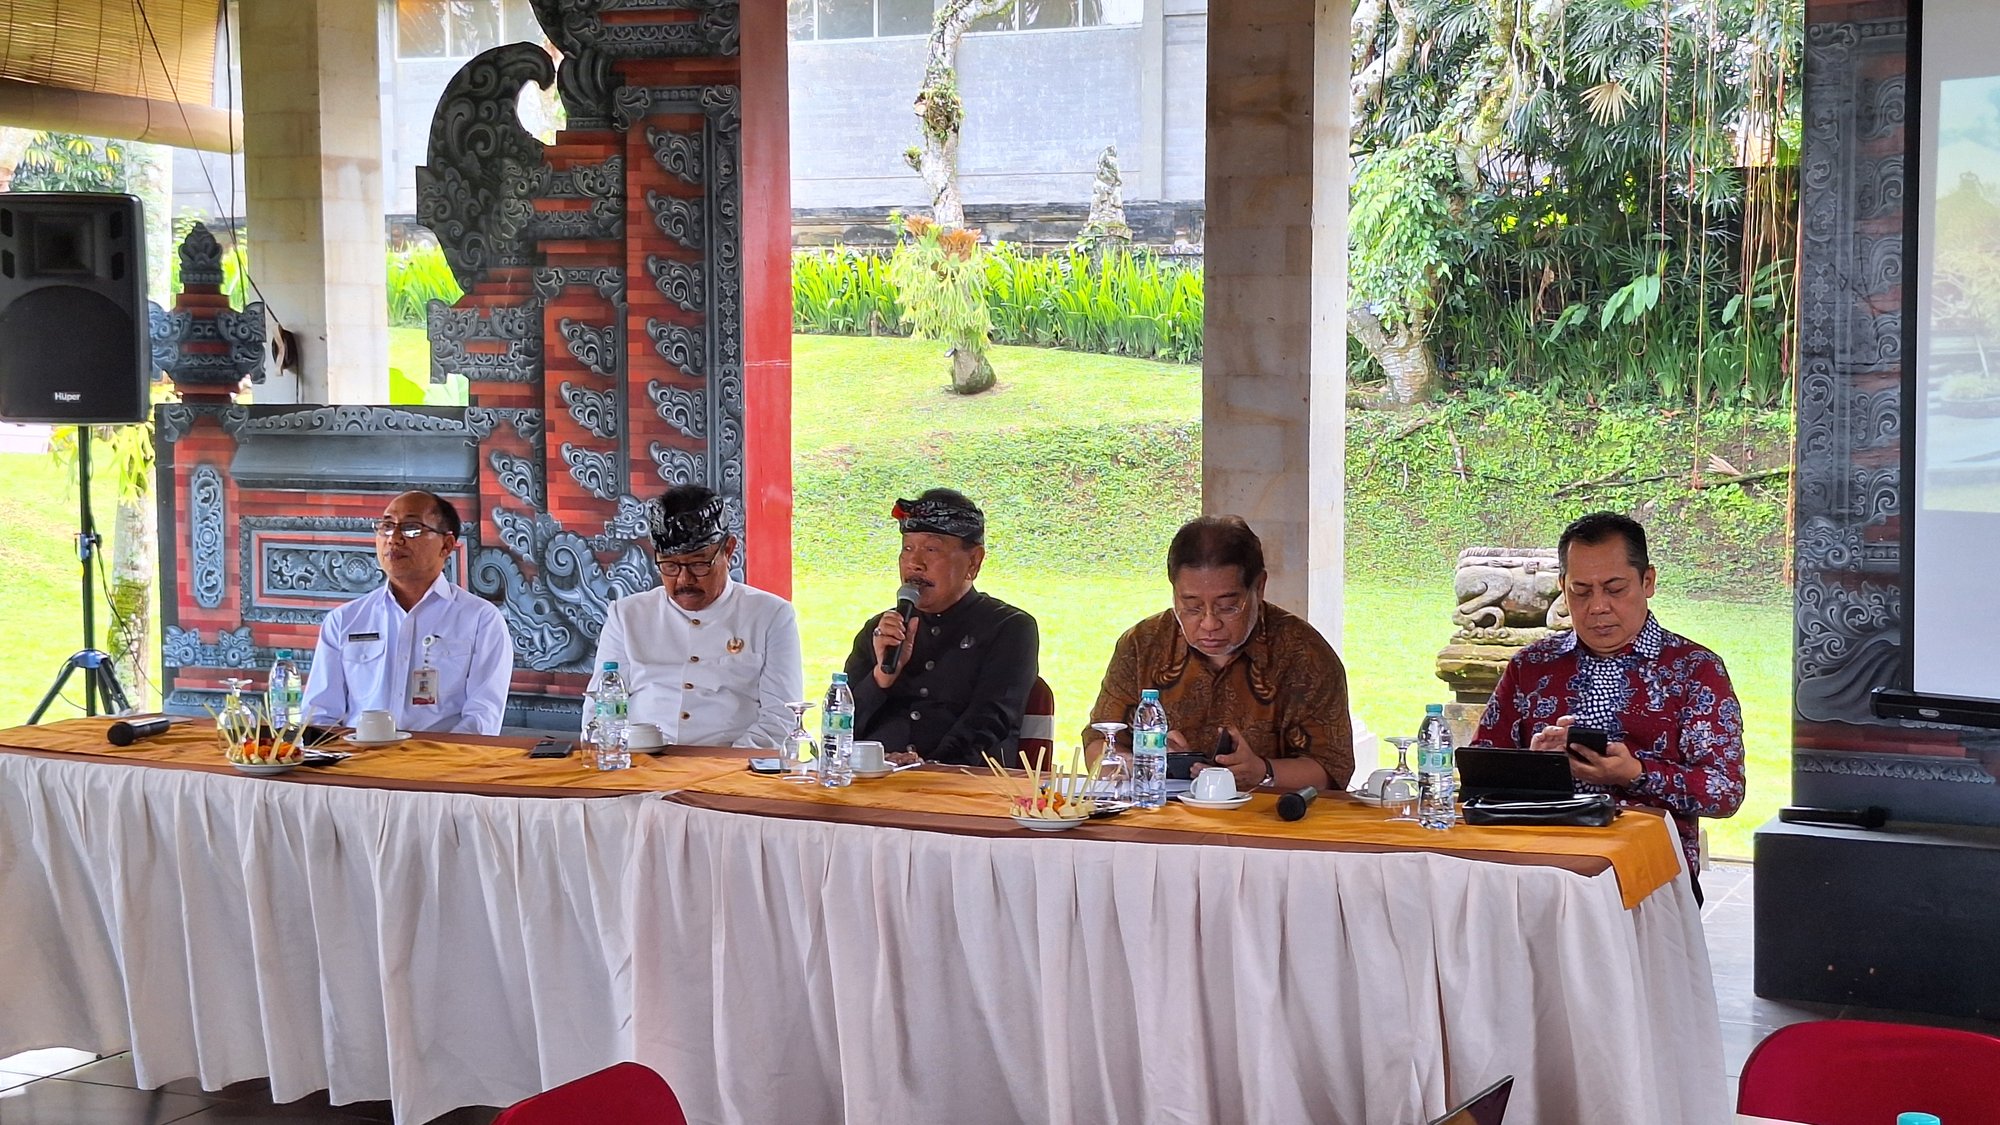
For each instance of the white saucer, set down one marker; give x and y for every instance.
(1235, 802)
(1041, 824)
(355, 739)
(265, 769)
(885, 771)
(1365, 797)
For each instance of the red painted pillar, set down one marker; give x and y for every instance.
(767, 296)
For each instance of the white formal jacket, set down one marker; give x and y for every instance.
(368, 648)
(720, 676)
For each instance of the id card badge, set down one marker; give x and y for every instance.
(424, 679)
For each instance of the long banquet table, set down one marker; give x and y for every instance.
(446, 924)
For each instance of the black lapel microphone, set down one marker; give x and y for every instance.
(127, 731)
(1292, 806)
(906, 605)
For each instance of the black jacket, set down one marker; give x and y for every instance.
(963, 686)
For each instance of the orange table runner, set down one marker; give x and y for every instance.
(465, 764)
(1638, 846)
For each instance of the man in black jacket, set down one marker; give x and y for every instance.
(966, 660)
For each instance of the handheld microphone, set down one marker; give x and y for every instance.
(127, 731)
(1292, 806)
(906, 605)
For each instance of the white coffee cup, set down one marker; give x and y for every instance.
(375, 726)
(868, 757)
(1215, 784)
(644, 736)
(1377, 782)
(1383, 786)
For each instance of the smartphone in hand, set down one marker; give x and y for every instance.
(1596, 740)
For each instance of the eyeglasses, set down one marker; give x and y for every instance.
(408, 530)
(1226, 614)
(671, 569)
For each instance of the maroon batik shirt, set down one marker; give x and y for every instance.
(1665, 697)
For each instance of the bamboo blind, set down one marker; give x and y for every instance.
(103, 46)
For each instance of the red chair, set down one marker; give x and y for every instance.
(1853, 1072)
(625, 1094)
(1038, 725)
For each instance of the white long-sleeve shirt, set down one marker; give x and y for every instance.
(369, 647)
(719, 676)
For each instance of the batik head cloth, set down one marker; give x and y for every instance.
(689, 531)
(942, 517)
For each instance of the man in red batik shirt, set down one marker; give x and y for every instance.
(1674, 728)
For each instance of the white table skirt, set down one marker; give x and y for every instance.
(440, 949)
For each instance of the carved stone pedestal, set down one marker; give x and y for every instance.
(1508, 598)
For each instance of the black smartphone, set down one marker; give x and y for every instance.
(766, 765)
(551, 748)
(1596, 739)
(1182, 765)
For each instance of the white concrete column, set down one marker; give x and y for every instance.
(312, 156)
(1274, 367)
(1148, 161)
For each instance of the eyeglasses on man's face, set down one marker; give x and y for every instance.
(670, 568)
(408, 529)
(1225, 612)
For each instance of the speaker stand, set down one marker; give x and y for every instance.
(94, 663)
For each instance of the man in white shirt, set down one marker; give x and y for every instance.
(711, 661)
(435, 656)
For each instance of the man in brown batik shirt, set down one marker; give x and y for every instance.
(1224, 659)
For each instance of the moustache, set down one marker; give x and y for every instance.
(923, 582)
(687, 590)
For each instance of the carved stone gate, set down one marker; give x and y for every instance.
(603, 337)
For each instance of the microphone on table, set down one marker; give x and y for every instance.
(906, 605)
(127, 731)
(1292, 806)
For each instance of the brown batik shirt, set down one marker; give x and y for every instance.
(1286, 690)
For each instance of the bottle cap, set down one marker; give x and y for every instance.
(840, 677)
(1433, 708)
(611, 665)
(284, 654)
(1917, 1119)
(1150, 694)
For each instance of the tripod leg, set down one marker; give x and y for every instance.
(55, 689)
(108, 689)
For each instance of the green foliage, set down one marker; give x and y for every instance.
(1133, 303)
(1409, 230)
(418, 276)
(67, 162)
(939, 279)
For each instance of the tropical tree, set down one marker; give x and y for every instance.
(1563, 156)
(940, 111)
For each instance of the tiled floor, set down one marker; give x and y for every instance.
(65, 1087)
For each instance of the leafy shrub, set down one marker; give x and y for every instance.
(418, 276)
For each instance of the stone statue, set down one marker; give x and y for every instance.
(1508, 598)
(1106, 228)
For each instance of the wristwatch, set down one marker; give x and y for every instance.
(1270, 773)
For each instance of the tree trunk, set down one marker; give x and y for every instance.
(1405, 356)
(971, 371)
(940, 112)
(133, 572)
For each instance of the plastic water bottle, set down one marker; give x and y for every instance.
(284, 692)
(1437, 784)
(1149, 751)
(611, 705)
(836, 734)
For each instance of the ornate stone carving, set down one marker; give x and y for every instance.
(596, 411)
(598, 348)
(677, 344)
(576, 28)
(556, 613)
(681, 407)
(349, 420)
(521, 477)
(677, 281)
(516, 330)
(201, 257)
(596, 470)
(609, 281)
(1504, 591)
(1895, 767)
(474, 191)
(172, 421)
(1848, 603)
(678, 217)
(676, 465)
(339, 570)
(183, 648)
(481, 421)
(206, 518)
(679, 154)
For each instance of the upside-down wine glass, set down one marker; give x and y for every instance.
(1114, 774)
(1403, 781)
(800, 752)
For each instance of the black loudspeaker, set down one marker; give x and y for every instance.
(73, 332)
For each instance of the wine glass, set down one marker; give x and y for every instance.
(1114, 774)
(799, 752)
(1402, 780)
